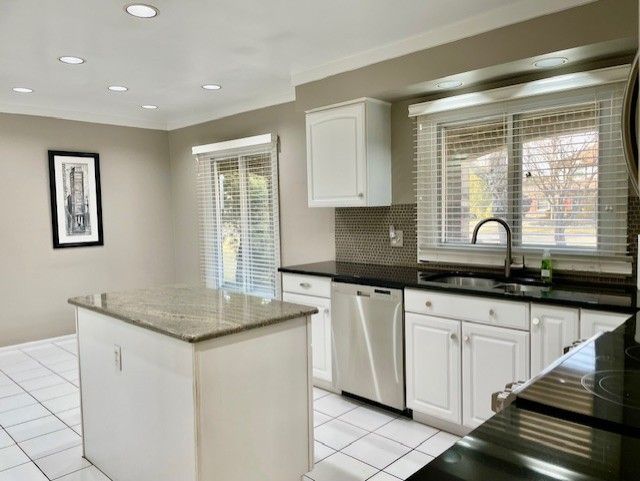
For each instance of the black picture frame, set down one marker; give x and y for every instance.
(54, 182)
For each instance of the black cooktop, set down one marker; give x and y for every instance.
(598, 385)
(521, 445)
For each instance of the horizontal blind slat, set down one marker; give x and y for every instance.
(557, 174)
(239, 221)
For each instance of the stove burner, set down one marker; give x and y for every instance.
(633, 352)
(618, 387)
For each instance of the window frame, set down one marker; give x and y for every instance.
(212, 259)
(430, 208)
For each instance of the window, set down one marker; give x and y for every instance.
(552, 166)
(239, 218)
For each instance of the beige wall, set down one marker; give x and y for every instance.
(307, 235)
(148, 177)
(597, 22)
(587, 28)
(35, 279)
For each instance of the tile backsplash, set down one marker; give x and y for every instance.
(362, 236)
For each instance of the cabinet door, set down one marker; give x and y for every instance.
(552, 328)
(320, 333)
(336, 157)
(433, 366)
(491, 358)
(594, 322)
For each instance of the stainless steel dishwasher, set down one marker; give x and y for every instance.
(367, 327)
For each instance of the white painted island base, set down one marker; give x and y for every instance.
(233, 408)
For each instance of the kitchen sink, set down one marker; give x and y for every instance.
(489, 284)
(467, 281)
(516, 288)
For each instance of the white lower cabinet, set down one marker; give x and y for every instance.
(552, 329)
(461, 349)
(491, 358)
(594, 322)
(433, 366)
(320, 334)
(454, 366)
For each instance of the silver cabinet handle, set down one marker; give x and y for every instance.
(466, 338)
(305, 285)
(360, 194)
(326, 310)
(428, 304)
(453, 336)
(492, 313)
(535, 321)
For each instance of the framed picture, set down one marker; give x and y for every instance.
(76, 208)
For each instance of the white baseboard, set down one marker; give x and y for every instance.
(36, 343)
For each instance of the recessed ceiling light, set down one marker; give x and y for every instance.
(141, 10)
(550, 62)
(449, 84)
(149, 107)
(118, 88)
(211, 87)
(22, 90)
(71, 60)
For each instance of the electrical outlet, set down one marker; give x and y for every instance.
(397, 240)
(117, 357)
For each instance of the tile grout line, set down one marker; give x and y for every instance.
(26, 345)
(31, 460)
(374, 432)
(411, 448)
(38, 403)
(341, 451)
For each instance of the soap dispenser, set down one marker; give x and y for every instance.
(546, 267)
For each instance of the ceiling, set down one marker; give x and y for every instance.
(257, 50)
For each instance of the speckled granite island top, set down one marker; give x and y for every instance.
(192, 314)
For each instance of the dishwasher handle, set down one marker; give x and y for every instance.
(362, 294)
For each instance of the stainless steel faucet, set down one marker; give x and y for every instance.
(507, 227)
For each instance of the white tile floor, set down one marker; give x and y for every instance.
(41, 436)
(40, 429)
(355, 442)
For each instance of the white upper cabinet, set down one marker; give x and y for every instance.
(552, 329)
(349, 154)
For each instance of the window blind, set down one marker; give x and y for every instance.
(239, 219)
(551, 165)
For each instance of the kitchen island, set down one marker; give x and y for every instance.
(184, 383)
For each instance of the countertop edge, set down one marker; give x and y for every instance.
(302, 272)
(75, 301)
(399, 284)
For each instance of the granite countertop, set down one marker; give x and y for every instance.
(192, 314)
(576, 294)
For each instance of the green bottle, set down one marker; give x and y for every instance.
(546, 268)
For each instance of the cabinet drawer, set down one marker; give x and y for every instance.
(494, 312)
(309, 285)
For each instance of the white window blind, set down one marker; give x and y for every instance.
(551, 165)
(239, 226)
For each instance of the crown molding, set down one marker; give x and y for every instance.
(89, 117)
(157, 124)
(276, 98)
(487, 21)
